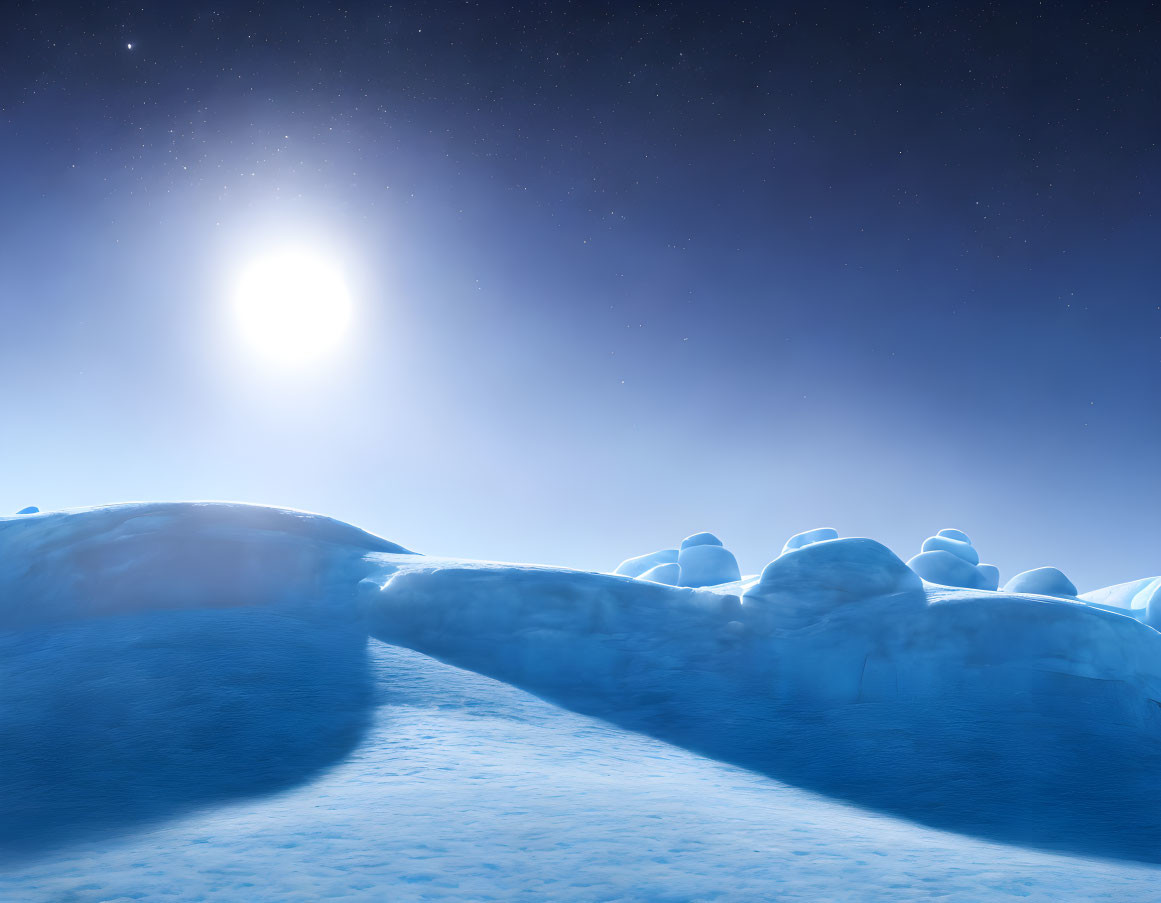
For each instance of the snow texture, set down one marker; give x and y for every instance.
(467, 789)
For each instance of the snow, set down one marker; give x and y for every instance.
(1139, 598)
(949, 559)
(191, 709)
(989, 576)
(700, 539)
(700, 561)
(798, 540)
(809, 583)
(948, 569)
(957, 547)
(464, 788)
(707, 565)
(1045, 581)
(135, 557)
(669, 573)
(635, 567)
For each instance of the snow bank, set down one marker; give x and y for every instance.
(1140, 599)
(1031, 718)
(157, 658)
(149, 556)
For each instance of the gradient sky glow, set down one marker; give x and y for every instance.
(621, 272)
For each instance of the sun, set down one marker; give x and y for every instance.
(292, 305)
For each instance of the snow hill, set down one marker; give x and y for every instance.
(218, 701)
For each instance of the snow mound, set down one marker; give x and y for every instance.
(957, 547)
(668, 573)
(700, 561)
(143, 556)
(707, 565)
(700, 539)
(949, 559)
(798, 540)
(635, 567)
(810, 582)
(1041, 581)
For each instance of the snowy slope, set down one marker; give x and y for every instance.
(188, 711)
(467, 789)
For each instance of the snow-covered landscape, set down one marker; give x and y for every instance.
(213, 701)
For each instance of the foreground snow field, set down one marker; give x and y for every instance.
(191, 708)
(466, 788)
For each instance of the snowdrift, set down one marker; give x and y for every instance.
(160, 658)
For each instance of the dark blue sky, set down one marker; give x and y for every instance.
(622, 272)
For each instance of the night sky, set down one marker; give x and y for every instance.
(621, 272)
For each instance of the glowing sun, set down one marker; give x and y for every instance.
(292, 305)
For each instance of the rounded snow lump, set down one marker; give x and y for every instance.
(955, 546)
(957, 535)
(820, 577)
(635, 567)
(700, 539)
(819, 534)
(707, 565)
(31, 509)
(1153, 609)
(1042, 582)
(991, 576)
(947, 569)
(668, 573)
